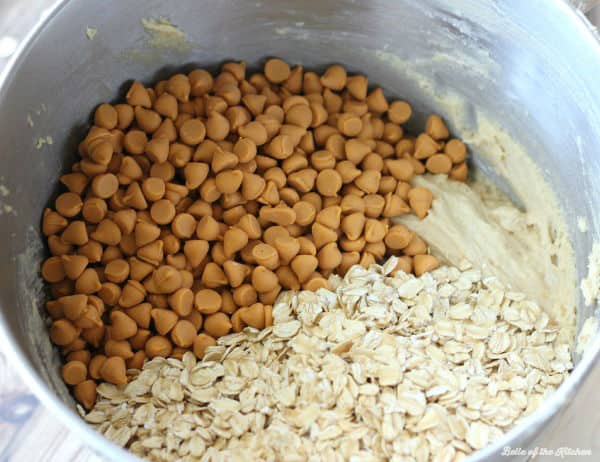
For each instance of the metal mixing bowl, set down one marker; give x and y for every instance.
(532, 65)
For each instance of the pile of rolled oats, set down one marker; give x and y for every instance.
(381, 367)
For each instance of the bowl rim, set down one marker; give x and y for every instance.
(528, 427)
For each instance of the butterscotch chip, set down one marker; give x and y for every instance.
(201, 343)
(133, 293)
(53, 270)
(425, 146)
(334, 77)
(398, 237)
(217, 325)
(122, 326)
(138, 96)
(254, 316)
(416, 246)
(236, 272)
(401, 169)
(88, 282)
(329, 256)
(125, 219)
(75, 182)
(136, 361)
(157, 149)
(366, 260)
(330, 216)
(399, 112)
(107, 232)
(183, 225)
(264, 279)
(281, 215)
(158, 346)
(166, 279)
(322, 235)
(117, 270)
(207, 301)
(179, 86)
(266, 255)
(424, 264)
(245, 295)
(303, 180)
(375, 230)
(192, 132)
(439, 163)
(141, 314)
(217, 126)
(164, 320)
(456, 150)
(113, 370)
(303, 266)
(329, 182)
(420, 200)
(374, 205)
(145, 233)
(436, 128)
(162, 211)
(234, 240)
(276, 70)
(394, 206)
(254, 131)
(213, 276)
(85, 393)
(63, 332)
(460, 172)
(353, 224)
(166, 105)
(183, 334)
(368, 181)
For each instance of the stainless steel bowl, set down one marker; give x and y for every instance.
(532, 65)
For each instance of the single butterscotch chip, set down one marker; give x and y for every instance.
(456, 150)
(334, 77)
(376, 101)
(399, 112)
(183, 333)
(85, 393)
(254, 316)
(113, 370)
(329, 256)
(213, 276)
(398, 237)
(375, 230)
(420, 200)
(266, 255)
(276, 70)
(436, 128)
(117, 270)
(460, 172)
(416, 246)
(368, 181)
(217, 325)
(330, 216)
(122, 326)
(74, 372)
(424, 264)
(425, 146)
(439, 163)
(263, 279)
(207, 301)
(401, 169)
(201, 343)
(328, 182)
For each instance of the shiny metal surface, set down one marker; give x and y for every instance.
(542, 87)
